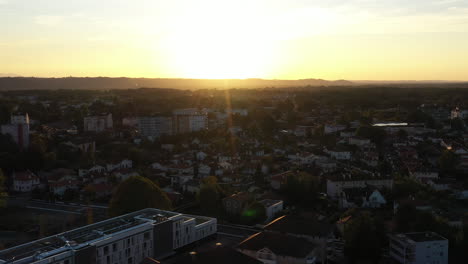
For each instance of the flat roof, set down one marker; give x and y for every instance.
(424, 236)
(85, 234)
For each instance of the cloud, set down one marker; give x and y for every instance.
(3, 2)
(48, 20)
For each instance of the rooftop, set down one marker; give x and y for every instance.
(84, 235)
(424, 236)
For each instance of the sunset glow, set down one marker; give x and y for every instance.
(355, 40)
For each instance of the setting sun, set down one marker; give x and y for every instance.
(228, 43)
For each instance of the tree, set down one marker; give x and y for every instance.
(137, 193)
(364, 239)
(448, 161)
(209, 199)
(3, 193)
(254, 213)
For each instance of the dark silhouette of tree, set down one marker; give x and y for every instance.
(364, 239)
(3, 193)
(448, 161)
(209, 199)
(137, 193)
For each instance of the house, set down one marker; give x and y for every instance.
(124, 164)
(272, 208)
(276, 181)
(180, 180)
(279, 248)
(358, 141)
(159, 166)
(362, 197)
(329, 129)
(235, 204)
(61, 186)
(201, 155)
(419, 248)
(123, 174)
(25, 181)
(192, 186)
(337, 183)
(204, 170)
(98, 123)
(339, 154)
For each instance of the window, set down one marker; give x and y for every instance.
(106, 250)
(130, 260)
(146, 236)
(114, 247)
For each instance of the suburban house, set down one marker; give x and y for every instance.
(272, 208)
(235, 204)
(25, 181)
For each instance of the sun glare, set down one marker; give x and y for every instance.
(220, 45)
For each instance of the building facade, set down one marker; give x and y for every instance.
(18, 129)
(155, 126)
(98, 123)
(126, 239)
(419, 248)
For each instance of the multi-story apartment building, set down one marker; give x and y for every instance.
(419, 248)
(190, 123)
(155, 126)
(126, 239)
(98, 123)
(18, 129)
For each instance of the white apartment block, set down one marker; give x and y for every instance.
(126, 239)
(190, 123)
(18, 129)
(419, 248)
(155, 126)
(98, 123)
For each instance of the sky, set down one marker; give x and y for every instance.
(333, 39)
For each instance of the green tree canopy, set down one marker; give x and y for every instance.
(137, 193)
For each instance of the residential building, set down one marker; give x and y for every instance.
(155, 126)
(272, 208)
(458, 113)
(419, 248)
(190, 123)
(98, 123)
(336, 185)
(235, 204)
(25, 181)
(18, 129)
(126, 239)
(329, 129)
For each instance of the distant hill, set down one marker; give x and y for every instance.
(104, 83)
